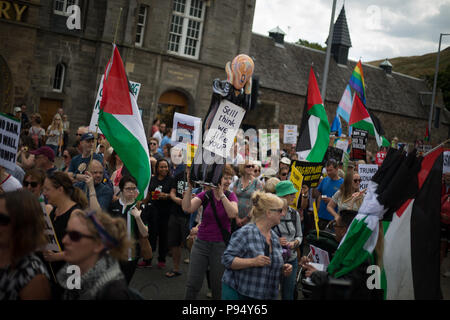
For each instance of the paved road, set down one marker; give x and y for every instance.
(153, 284)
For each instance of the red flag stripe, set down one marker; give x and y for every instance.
(313, 91)
(359, 112)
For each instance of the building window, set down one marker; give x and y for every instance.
(186, 27)
(140, 27)
(58, 79)
(62, 5)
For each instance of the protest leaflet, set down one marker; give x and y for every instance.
(135, 88)
(9, 140)
(366, 172)
(186, 134)
(311, 172)
(381, 155)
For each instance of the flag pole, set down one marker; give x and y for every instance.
(94, 147)
(437, 147)
(328, 55)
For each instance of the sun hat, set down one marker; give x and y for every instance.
(285, 188)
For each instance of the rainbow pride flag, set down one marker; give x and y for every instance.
(357, 82)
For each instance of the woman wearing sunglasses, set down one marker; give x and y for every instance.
(22, 274)
(68, 154)
(64, 198)
(33, 181)
(254, 257)
(348, 197)
(244, 189)
(94, 242)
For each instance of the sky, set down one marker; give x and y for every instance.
(378, 29)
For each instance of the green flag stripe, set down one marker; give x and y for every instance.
(128, 148)
(351, 253)
(323, 134)
(365, 125)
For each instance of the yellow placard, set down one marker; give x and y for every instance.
(316, 219)
(297, 181)
(191, 149)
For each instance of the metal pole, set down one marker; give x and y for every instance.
(433, 95)
(327, 57)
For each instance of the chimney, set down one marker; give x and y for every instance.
(341, 39)
(278, 35)
(386, 66)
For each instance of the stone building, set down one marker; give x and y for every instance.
(175, 48)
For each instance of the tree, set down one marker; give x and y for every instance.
(313, 45)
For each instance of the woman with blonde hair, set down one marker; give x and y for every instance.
(348, 197)
(244, 189)
(253, 259)
(94, 242)
(55, 134)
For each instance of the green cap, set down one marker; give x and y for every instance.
(285, 188)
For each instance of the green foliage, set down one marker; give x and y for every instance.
(313, 45)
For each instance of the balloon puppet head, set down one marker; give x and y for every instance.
(240, 72)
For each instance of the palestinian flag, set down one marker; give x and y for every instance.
(121, 123)
(361, 119)
(412, 240)
(314, 130)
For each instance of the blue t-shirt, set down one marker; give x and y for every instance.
(328, 187)
(78, 159)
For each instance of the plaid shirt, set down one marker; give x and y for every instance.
(257, 282)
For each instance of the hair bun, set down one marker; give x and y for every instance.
(255, 199)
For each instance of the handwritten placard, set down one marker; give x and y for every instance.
(224, 127)
(9, 140)
(366, 172)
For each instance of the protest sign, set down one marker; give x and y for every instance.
(366, 172)
(49, 231)
(225, 124)
(446, 162)
(381, 155)
(135, 88)
(359, 142)
(333, 153)
(319, 256)
(269, 146)
(297, 181)
(186, 130)
(9, 140)
(290, 134)
(311, 172)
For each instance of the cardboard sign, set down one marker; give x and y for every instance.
(135, 88)
(290, 134)
(9, 140)
(381, 155)
(49, 231)
(311, 172)
(333, 153)
(224, 127)
(359, 142)
(366, 172)
(186, 130)
(297, 181)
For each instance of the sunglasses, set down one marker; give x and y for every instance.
(4, 219)
(65, 156)
(277, 210)
(152, 144)
(33, 184)
(356, 180)
(284, 174)
(76, 236)
(78, 134)
(249, 166)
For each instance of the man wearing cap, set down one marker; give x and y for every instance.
(44, 159)
(79, 163)
(80, 132)
(290, 232)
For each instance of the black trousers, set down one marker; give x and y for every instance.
(158, 233)
(128, 268)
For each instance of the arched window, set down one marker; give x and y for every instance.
(58, 79)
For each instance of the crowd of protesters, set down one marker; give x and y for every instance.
(246, 236)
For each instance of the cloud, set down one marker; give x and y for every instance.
(378, 29)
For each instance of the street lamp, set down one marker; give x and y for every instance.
(433, 95)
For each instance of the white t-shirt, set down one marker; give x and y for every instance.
(158, 136)
(10, 184)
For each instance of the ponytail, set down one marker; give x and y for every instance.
(79, 197)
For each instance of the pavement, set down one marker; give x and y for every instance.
(154, 285)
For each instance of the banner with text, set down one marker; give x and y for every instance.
(297, 181)
(9, 140)
(290, 134)
(311, 172)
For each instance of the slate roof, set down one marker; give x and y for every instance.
(286, 69)
(341, 35)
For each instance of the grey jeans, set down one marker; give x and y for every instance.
(205, 254)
